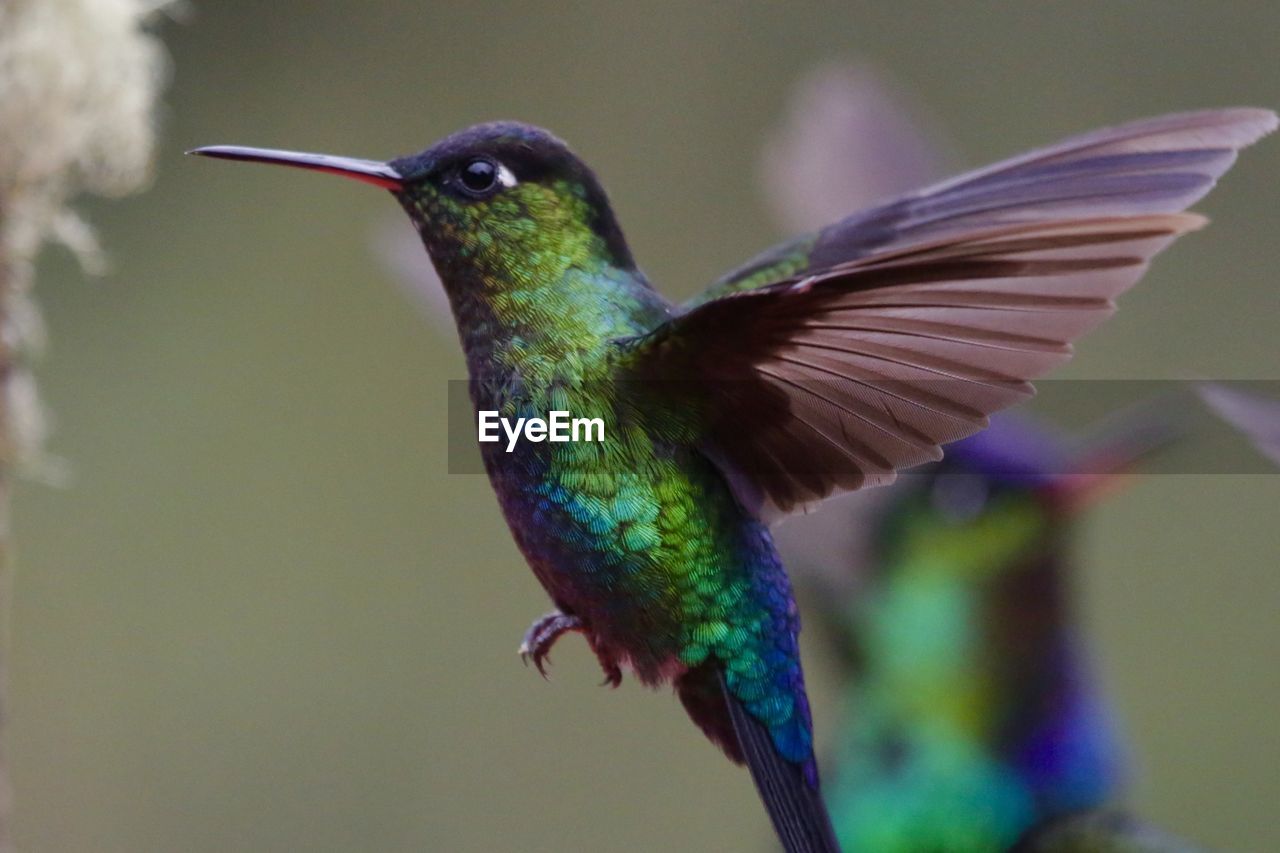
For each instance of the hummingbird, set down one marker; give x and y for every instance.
(973, 718)
(822, 366)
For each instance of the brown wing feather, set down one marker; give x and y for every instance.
(827, 383)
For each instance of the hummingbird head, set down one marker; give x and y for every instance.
(506, 193)
(1008, 491)
(497, 201)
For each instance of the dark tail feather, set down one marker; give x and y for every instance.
(700, 693)
(793, 801)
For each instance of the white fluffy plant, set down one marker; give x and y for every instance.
(78, 84)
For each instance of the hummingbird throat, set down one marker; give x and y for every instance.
(534, 284)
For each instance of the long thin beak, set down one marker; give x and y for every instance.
(369, 171)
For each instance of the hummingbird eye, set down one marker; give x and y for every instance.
(480, 176)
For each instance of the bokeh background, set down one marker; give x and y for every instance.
(263, 616)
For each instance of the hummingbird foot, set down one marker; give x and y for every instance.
(542, 635)
(612, 672)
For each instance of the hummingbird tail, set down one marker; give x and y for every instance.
(789, 790)
(703, 699)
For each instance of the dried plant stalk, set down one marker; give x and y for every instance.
(78, 82)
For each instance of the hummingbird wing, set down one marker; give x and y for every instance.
(838, 359)
(849, 140)
(1155, 165)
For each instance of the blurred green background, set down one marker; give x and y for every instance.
(264, 617)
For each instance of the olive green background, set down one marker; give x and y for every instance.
(265, 617)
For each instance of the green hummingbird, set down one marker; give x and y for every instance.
(973, 718)
(822, 366)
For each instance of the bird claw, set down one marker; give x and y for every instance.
(612, 674)
(542, 635)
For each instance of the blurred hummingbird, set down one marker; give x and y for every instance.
(823, 365)
(973, 718)
(909, 775)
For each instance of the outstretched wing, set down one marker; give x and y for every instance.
(1156, 165)
(901, 329)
